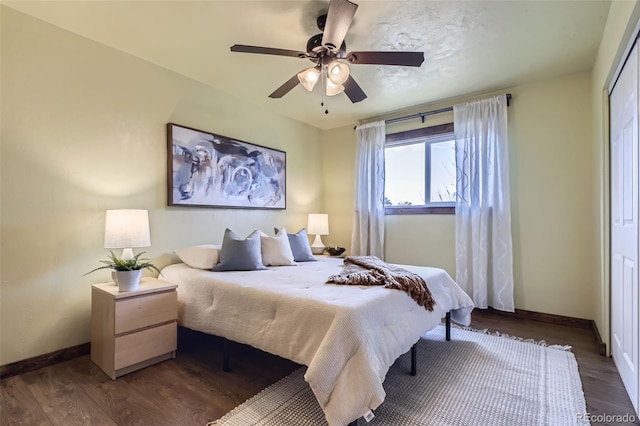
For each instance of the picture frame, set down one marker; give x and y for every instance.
(209, 170)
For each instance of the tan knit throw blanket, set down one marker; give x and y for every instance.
(369, 270)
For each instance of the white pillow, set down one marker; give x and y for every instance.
(276, 251)
(204, 256)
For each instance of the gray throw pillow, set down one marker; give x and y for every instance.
(237, 254)
(300, 246)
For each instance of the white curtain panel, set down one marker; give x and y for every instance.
(484, 260)
(368, 224)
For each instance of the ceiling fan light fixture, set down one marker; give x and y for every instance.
(328, 51)
(309, 77)
(333, 89)
(338, 72)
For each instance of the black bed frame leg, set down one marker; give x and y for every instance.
(225, 355)
(448, 325)
(414, 360)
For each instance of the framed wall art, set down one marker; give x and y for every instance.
(209, 170)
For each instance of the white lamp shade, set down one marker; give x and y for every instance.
(334, 89)
(318, 224)
(309, 77)
(126, 229)
(338, 72)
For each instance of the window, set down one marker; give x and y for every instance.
(420, 171)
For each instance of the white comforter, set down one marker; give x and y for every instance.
(348, 336)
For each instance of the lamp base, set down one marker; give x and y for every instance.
(127, 253)
(317, 247)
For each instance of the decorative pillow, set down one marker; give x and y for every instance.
(204, 256)
(240, 255)
(300, 246)
(276, 251)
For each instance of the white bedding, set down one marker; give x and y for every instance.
(348, 336)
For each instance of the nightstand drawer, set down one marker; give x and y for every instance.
(140, 312)
(143, 345)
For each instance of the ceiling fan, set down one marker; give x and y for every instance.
(328, 51)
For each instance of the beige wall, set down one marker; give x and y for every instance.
(83, 130)
(552, 199)
(339, 174)
(553, 218)
(621, 22)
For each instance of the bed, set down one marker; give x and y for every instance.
(347, 336)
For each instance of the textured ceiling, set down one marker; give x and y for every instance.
(470, 47)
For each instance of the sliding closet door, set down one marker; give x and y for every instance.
(624, 226)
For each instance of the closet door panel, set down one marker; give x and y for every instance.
(624, 226)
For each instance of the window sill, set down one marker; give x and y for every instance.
(419, 210)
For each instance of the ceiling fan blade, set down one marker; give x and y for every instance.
(285, 88)
(339, 19)
(353, 91)
(267, 51)
(406, 59)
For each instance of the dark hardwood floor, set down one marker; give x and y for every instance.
(193, 389)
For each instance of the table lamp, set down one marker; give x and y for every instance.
(318, 224)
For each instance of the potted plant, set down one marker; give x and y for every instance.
(127, 271)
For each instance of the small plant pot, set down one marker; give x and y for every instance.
(128, 280)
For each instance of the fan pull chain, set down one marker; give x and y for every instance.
(323, 85)
(324, 76)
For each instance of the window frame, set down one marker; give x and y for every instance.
(434, 134)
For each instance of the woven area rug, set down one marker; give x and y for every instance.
(474, 379)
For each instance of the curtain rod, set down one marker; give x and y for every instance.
(422, 115)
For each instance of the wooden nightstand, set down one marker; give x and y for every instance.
(132, 330)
